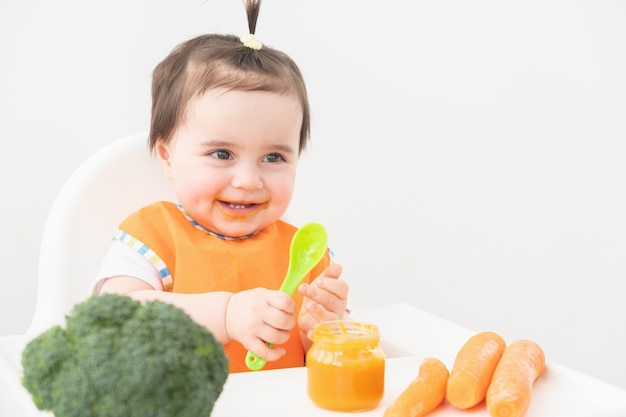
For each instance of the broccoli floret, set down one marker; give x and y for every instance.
(118, 357)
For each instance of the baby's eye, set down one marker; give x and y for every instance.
(273, 157)
(221, 154)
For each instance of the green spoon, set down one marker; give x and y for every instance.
(308, 246)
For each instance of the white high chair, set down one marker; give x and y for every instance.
(115, 181)
(112, 183)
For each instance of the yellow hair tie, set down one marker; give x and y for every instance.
(251, 42)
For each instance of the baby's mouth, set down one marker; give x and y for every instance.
(238, 206)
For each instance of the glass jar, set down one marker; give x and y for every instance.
(346, 366)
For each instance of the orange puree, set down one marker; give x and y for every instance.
(345, 366)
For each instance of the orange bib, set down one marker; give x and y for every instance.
(191, 260)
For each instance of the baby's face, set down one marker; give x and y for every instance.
(233, 160)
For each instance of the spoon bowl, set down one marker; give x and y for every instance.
(308, 246)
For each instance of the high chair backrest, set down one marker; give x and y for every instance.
(115, 181)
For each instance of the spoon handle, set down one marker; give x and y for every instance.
(254, 362)
(307, 247)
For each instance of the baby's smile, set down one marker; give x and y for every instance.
(240, 208)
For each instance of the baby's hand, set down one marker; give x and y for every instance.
(259, 316)
(326, 298)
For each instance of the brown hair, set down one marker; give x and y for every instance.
(221, 61)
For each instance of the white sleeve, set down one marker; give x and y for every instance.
(121, 259)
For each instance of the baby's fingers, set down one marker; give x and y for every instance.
(331, 294)
(265, 350)
(318, 312)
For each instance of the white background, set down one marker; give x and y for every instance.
(468, 157)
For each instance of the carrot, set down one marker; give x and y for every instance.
(522, 362)
(473, 368)
(424, 393)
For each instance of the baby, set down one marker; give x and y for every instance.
(230, 118)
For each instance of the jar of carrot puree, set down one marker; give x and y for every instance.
(345, 366)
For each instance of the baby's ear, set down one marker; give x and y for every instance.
(162, 151)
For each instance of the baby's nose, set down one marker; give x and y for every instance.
(247, 177)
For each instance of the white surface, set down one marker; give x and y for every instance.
(468, 155)
(409, 335)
